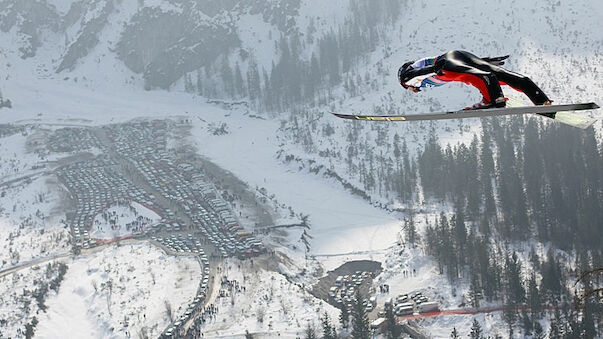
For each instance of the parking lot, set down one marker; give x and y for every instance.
(137, 165)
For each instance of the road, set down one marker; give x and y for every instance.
(42, 260)
(126, 168)
(33, 262)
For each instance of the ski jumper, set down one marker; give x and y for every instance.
(483, 73)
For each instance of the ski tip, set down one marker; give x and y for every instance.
(343, 116)
(586, 124)
(589, 105)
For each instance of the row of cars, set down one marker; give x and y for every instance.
(72, 139)
(346, 288)
(182, 184)
(181, 243)
(94, 187)
(192, 213)
(176, 328)
(407, 304)
(10, 129)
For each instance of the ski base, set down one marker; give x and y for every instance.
(562, 115)
(573, 119)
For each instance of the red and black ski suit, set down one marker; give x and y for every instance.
(483, 73)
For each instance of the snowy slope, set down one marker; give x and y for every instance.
(122, 289)
(30, 217)
(555, 43)
(287, 308)
(552, 43)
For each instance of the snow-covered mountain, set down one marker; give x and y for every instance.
(160, 40)
(268, 71)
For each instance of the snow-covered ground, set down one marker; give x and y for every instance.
(30, 222)
(287, 308)
(121, 289)
(122, 219)
(250, 152)
(18, 301)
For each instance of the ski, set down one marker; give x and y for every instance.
(575, 120)
(570, 119)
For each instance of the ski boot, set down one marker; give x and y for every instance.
(548, 115)
(485, 104)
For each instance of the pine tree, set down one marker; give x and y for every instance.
(266, 91)
(516, 291)
(188, 83)
(209, 84)
(551, 275)
(554, 330)
(534, 258)
(328, 330)
(591, 312)
(476, 330)
(534, 298)
(393, 331)
(510, 315)
(474, 199)
(344, 316)
(227, 78)
(538, 331)
(360, 325)
(30, 328)
(199, 82)
(527, 323)
(475, 290)
(412, 235)
(239, 83)
(460, 233)
(253, 81)
(454, 334)
(397, 146)
(310, 332)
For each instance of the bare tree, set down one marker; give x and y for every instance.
(261, 312)
(283, 306)
(142, 334)
(168, 311)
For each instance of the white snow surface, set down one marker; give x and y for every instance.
(30, 225)
(17, 305)
(249, 151)
(122, 215)
(143, 278)
(287, 307)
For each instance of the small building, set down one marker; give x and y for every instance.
(379, 325)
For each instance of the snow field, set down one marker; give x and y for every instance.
(286, 307)
(120, 220)
(249, 151)
(118, 290)
(15, 161)
(30, 227)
